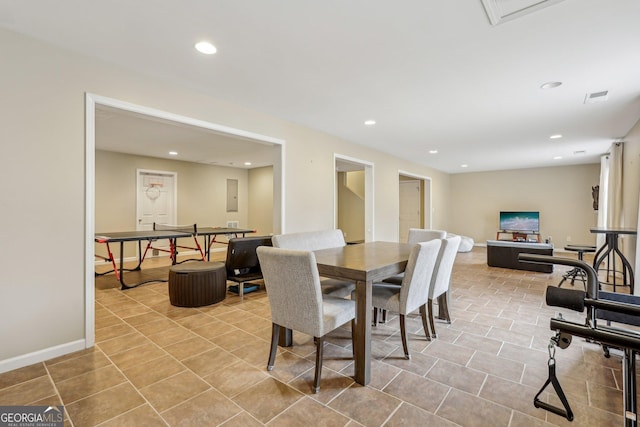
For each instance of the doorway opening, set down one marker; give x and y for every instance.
(414, 203)
(94, 103)
(353, 198)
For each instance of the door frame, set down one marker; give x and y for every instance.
(369, 229)
(93, 100)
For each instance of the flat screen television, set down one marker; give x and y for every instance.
(520, 222)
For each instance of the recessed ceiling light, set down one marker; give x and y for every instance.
(370, 122)
(206, 48)
(557, 158)
(173, 153)
(247, 163)
(464, 166)
(556, 136)
(433, 151)
(550, 85)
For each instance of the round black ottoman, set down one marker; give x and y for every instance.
(195, 284)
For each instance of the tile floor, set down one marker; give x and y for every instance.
(154, 364)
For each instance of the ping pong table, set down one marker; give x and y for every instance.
(209, 235)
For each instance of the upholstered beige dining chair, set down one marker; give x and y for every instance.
(441, 279)
(414, 291)
(416, 235)
(314, 241)
(293, 287)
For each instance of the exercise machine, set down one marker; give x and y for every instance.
(599, 305)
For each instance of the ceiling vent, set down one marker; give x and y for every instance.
(593, 97)
(500, 11)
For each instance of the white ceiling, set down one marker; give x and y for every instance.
(433, 74)
(133, 133)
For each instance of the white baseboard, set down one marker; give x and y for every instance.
(40, 355)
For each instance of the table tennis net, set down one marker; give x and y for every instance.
(189, 228)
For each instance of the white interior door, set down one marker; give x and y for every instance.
(156, 200)
(409, 207)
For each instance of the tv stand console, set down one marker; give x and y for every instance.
(519, 236)
(504, 253)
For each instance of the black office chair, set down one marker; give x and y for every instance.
(242, 263)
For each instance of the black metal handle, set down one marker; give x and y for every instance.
(565, 411)
(558, 411)
(615, 306)
(592, 276)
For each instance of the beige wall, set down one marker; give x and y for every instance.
(42, 310)
(261, 200)
(201, 193)
(561, 194)
(351, 205)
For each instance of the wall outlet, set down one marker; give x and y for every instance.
(568, 238)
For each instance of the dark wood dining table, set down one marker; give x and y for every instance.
(364, 264)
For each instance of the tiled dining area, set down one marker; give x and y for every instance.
(155, 364)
